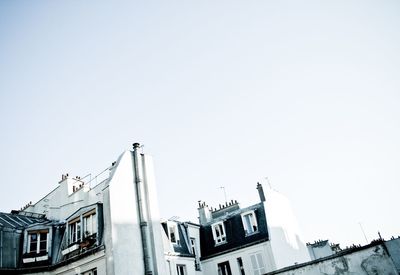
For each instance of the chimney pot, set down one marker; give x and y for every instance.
(136, 145)
(260, 192)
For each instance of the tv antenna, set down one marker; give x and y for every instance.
(362, 229)
(223, 188)
(268, 182)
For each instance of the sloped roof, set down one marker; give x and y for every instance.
(18, 221)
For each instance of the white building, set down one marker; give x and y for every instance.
(112, 226)
(252, 240)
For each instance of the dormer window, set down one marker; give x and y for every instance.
(82, 230)
(249, 223)
(37, 241)
(173, 233)
(89, 223)
(218, 230)
(74, 228)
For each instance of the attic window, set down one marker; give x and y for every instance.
(218, 230)
(249, 223)
(89, 223)
(82, 226)
(74, 228)
(173, 233)
(37, 241)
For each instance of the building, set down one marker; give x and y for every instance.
(378, 257)
(252, 240)
(109, 224)
(111, 227)
(322, 248)
(182, 247)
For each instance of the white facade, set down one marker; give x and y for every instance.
(132, 232)
(279, 243)
(122, 211)
(287, 245)
(179, 263)
(261, 253)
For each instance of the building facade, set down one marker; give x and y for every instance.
(252, 240)
(110, 225)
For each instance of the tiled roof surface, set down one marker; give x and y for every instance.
(18, 221)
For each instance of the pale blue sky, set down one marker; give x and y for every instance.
(222, 93)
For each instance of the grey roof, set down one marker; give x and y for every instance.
(18, 221)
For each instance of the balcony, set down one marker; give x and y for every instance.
(80, 246)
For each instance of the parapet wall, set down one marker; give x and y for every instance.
(369, 260)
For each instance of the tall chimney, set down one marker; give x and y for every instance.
(204, 213)
(260, 191)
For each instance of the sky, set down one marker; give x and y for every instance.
(220, 93)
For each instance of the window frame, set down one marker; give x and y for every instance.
(92, 271)
(38, 241)
(78, 226)
(75, 230)
(239, 261)
(253, 221)
(259, 269)
(184, 270)
(92, 217)
(175, 232)
(221, 239)
(224, 268)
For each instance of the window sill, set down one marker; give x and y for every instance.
(35, 259)
(70, 249)
(220, 243)
(251, 234)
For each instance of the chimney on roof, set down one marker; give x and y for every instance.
(260, 192)
(204, 213)
(63, 177)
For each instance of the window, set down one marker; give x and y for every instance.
(194, 252)
(249, 223)
(240, 266)
(74, 228)
(43, 242)
(181, 269)
(218, 231)
(224, 268)
(37, 241)
(33, 237)
(90, 272)
(258, 264)
(89, 223)
(173, 233)
(193, 246)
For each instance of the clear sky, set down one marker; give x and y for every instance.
(221, 93)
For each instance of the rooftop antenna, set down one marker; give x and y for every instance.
(223, 187)
(268, 182)
(362, 229)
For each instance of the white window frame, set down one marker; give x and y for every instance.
(75, 235)
(193, 246)
(38, 240)
(182, 271)
(175, 232)
(258, 263)
(89, 223)
(219, 237)
(253, 223)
